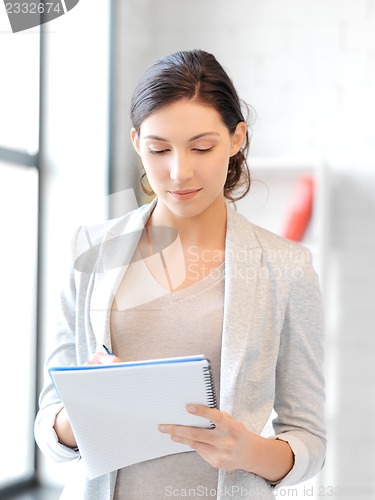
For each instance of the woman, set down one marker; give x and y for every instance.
(246, 298)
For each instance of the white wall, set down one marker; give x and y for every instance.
(308, 68)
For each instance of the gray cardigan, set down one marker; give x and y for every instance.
(272, 343)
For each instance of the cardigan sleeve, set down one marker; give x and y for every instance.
(299, 392)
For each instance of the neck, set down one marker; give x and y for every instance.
(206, 229)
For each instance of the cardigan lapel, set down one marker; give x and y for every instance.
(242, 260)
(118, 248)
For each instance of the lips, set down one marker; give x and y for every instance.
(185, 191)
(184, 194)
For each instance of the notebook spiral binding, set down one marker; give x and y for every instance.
(210, 390)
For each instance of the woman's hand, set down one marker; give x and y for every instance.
(227, 447)
(100, 358)
(231, 446)
(63, 429)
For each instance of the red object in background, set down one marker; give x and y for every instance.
(300, 209)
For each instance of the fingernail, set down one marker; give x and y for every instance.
(162, 428)
(192, 409)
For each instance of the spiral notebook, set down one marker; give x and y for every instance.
(115, 409)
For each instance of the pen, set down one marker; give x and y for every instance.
(107, 350)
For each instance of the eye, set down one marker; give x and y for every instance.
(203, 150)
(158, 151)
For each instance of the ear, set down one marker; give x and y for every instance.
(238, 138)
(135, 140)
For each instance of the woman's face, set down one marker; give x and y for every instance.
(185, 149)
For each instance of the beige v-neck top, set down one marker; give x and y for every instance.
(148, 321)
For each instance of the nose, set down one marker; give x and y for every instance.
(181, 169)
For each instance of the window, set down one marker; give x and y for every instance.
(19, 85)
(19, 216)
(75, 151)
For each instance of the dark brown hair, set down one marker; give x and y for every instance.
(195, 75)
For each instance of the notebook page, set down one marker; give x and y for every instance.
(115, 411)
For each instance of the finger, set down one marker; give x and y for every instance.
(195, 409)
(100, 358)
(212, 414)
(188, 435)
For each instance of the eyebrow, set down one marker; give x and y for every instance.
(196, 137)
